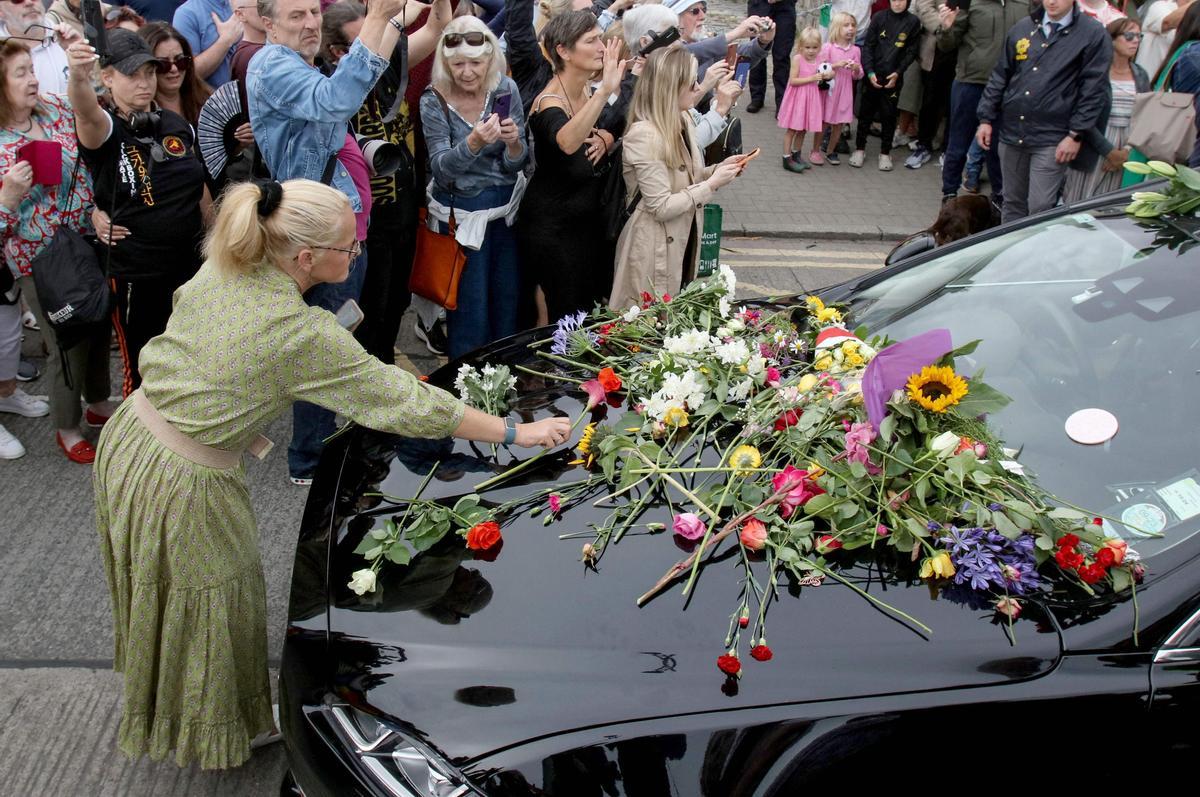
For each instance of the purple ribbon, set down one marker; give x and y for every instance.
(891, 368)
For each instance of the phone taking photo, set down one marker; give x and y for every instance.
(502, 105)
(93, 26)
(741, 72)
(731, 55)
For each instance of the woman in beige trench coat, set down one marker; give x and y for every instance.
(663, 164)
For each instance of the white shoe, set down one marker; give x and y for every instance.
(856, 160)
(21, 403)
(900, 139)
(885, 163)
(10, 447)
(29, 321)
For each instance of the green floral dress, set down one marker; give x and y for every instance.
(179, 540)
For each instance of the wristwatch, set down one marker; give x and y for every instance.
(1075, 136)
(510, 431)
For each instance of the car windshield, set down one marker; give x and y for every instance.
(1091, 310)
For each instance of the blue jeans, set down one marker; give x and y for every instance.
(974, 166)
(964, 100)
(490, 288)
(312, 424)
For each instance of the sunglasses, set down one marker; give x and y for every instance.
(181, 62)
(473, 39)
(697, 10)
(1131, 36)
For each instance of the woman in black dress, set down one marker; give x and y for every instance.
(561, 228)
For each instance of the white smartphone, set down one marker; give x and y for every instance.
(350, 315)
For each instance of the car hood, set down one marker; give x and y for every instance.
(475, 656)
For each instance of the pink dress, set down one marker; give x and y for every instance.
(803, 107)
(839, 102)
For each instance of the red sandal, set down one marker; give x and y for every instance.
(94, 418)
(82, 452)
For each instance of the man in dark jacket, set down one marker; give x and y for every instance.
(1046, 92)
(892, 44)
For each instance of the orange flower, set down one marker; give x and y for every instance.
(484, 535)
(609, 380)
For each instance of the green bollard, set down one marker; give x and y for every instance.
(710, 241)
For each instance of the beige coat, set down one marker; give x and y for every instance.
(651, 248)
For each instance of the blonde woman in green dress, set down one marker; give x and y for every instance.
(177, 532)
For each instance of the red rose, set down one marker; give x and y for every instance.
(1097, 521)
(1068, 559)
(666, 297)
(483, 535)
(609, 380)
(1092, 573)
(827, 543)
(789, 418)
(761, 653)
(743, 621)
(1106, 558)
(729, 664)
(1067, 541)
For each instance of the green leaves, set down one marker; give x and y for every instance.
(981, 399)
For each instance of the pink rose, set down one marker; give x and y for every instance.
(1118, 547)
(689, 526)
(827, 543)
(753, 534)
(773, 377)
(799, 487)
(858, 437)
(882, 530)
(1009, 607)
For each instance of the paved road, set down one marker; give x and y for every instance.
(60, 700)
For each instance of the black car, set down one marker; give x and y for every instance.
(533, 674)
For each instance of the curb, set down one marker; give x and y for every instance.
(880, 234)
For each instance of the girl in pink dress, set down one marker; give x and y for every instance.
(803, 107)
(846, 59)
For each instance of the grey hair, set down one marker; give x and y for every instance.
(266, 8)
(637, 22)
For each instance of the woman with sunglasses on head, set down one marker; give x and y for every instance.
(149, 186)
(1099, 166)
(179, 88)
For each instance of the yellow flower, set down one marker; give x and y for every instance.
(744, 459)
(585, 447)
(815, 471)
(676, 416)
(824, 363)
(936, 387)
(828, 315)
(815, 305)
(807, 382)
(937, 566)
(854, 359)
(849, 347)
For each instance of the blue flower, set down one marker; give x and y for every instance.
(987, 561)
(933, 525)
(568, 326)
(995, 507)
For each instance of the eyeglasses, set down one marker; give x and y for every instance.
(1131, 36)
(698, 9)
(473, 39)
(181, 62)
(353, 251)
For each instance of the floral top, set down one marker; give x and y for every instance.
(28, 228)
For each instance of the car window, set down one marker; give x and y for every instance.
(1082, 311)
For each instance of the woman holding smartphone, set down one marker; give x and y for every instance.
(475, 134)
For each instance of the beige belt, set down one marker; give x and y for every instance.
(185, 446)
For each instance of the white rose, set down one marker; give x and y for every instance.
(631, 314)
(362, 581)
(944, 444)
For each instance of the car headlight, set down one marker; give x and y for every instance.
(403, 766)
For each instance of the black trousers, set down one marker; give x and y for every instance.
(391, 242)
(935, 96)
(882, 104)
(140, 313)
(783, 14)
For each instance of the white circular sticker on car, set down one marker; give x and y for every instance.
(1144, 519)
(1091, 426)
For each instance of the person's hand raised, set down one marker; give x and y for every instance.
(947, 16)
(727, 94)
(230, 29)
(80, 58)
(714, 75)
(614, 68)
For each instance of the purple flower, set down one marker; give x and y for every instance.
(995, 507)
(986, 560)
(933, 525)
(568, 325)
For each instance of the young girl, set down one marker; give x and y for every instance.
(846, 59)
(803, 107)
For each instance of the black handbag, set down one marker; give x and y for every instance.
(71, 285)
(615, 213)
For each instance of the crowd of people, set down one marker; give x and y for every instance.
(568, 148)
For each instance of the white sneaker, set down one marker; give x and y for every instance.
(21, 403)
(10, 447)
(856, 160)
(900, 139)
(885, 163)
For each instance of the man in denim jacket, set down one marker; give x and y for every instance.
(299, 118)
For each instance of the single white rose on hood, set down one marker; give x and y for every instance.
(362, 581)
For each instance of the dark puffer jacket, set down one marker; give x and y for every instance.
(1040, 90)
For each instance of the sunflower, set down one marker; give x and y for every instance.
(744, 459)
(936, 387)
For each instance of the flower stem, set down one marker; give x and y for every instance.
(549, 376)
(869, 597)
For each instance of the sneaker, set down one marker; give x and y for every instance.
(970, 187)
(434, 337)
(10, 447)
(21, 403)
(793, 165)
(832, 158)
(301, 481)
(816, 158)
(919, 158)
(856, 160)
(885, 163)
(27, 371)
(941, 160)
(754, 107)
(900, 139)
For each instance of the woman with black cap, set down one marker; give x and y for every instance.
(177, 533)
(149, 186)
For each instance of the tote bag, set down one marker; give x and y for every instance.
(438, 264)
(1163, 126)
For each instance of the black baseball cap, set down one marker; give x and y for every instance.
(127, 51)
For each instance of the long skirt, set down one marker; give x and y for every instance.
(1085, 185)
(179, 544)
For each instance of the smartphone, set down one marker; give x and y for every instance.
(93, 25)
(751, 155)
(350, 315)
(731, 55)
(958, 5)
(502, 105)
(741, 72)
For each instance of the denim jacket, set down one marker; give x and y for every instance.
(300, 116)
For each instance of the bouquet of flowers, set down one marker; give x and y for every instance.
(805, 444)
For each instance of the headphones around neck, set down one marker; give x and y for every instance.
(145, 123)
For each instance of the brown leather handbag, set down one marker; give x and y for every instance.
(437, 264)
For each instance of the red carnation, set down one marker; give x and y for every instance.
(761, 653)
(483, 535)
(1106, 558)
(1097, 521)
(647, 299)
(1092, 573)
(609, 380)
(743, 621)
(789, 418)
(729, 664)
(1067, 541)
(1068, 559)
